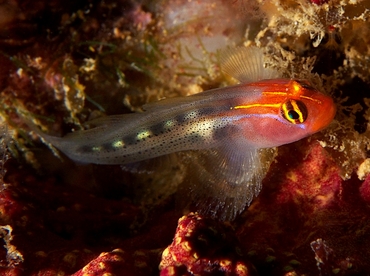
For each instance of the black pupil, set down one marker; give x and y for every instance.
(294, 111)
(293, 115)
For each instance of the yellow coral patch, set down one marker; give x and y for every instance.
(292, 176)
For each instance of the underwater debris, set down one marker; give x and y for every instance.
(13, 256)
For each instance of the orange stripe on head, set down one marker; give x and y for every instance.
(255, 105)
(294, 89)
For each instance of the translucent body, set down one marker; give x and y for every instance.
(246, 116)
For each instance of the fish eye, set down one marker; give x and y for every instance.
(294, 111)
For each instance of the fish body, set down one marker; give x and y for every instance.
(252, 114)
(227, 127)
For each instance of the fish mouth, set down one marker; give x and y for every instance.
(326, 114)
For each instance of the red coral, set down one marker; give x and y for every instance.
(304, 201)
(319, 2)
(120, 262)
(365, 189)
(202, 246)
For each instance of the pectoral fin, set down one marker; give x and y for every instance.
(224, 180)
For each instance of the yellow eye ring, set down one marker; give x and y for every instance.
(294, 111)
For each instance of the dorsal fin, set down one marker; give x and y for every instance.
(246, 64)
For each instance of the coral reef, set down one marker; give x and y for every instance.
(202, 245)
(63, 64)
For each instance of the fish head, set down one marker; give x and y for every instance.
(287, 111)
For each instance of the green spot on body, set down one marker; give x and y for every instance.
(144, 134)
(118, 144)
(169, 123)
